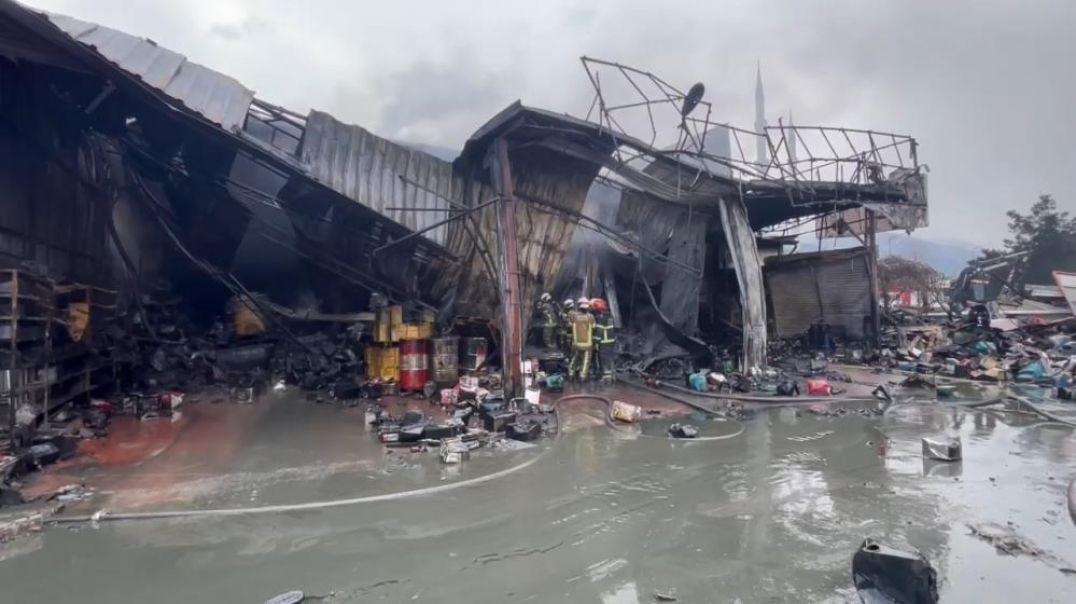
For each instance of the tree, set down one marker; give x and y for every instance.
(897, 273)
(1049, 237)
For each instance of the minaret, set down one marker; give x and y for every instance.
(761, 145)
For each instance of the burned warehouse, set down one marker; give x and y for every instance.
(196, 281)
(170, 175)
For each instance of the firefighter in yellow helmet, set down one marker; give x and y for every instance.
(605, 339)
(550, 317)
(564, 327)
(582, 340)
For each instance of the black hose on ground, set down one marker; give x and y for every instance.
(581, 397)
(671, 397)
(747, 398)
(612, 424)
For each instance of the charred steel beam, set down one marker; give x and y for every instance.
(410, 236)
(511, 306)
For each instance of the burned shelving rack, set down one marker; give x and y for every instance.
(104, 309)
(27, 304)
(85, 365)
(51, 357)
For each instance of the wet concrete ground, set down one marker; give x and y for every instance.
(771, 515)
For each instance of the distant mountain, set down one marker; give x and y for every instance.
(946, 257)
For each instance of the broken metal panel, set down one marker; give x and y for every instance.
(888, 217)
(215, 96)
(831, 287)
(681, 289)
(552, 185)
(545, 237)
(410, 187)
(743, 251)
(679, 233)
(1066, 282)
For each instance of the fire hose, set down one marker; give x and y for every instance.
(104, 515)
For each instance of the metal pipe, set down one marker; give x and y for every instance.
(410, 236)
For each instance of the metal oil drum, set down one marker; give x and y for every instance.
(446, 360)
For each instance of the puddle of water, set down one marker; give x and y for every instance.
(772, 515)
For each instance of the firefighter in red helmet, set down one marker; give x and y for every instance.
(604, 339)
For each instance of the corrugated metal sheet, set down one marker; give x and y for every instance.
(367, 168)
(1043, 291)
(743, 250)
(1067, 283)
(217, 97)
(833, 287)
(543, 237)
(681, 234)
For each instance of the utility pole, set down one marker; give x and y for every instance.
(511, 295)
(872, 267)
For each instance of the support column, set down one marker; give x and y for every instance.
(508, 246)
(872, 267)
(743, 250)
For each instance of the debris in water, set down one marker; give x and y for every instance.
(683, 431)
(942, 450)
(1007, 541)
(291, 597)
(885, 575)
(626, 412)
(1072, 500)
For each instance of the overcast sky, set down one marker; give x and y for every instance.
(988, 88)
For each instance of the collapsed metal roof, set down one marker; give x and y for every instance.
(219, 98)
(409, 186)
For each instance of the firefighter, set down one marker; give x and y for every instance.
(550, 316)
(582, 340)
(604, 339)
(564, 327)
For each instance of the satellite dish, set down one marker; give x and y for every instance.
(691, 100)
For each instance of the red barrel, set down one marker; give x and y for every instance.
(414, 364)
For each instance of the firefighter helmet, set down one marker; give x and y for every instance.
(583, 304)
(569, 304)
(598, 305)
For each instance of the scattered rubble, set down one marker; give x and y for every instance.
(1072, 500)
(948, 449)
(683, 431)
(291, 597)
(104, 337)
(1006, 541)
(885, 575)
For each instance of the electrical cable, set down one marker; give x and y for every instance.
(226, 279)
